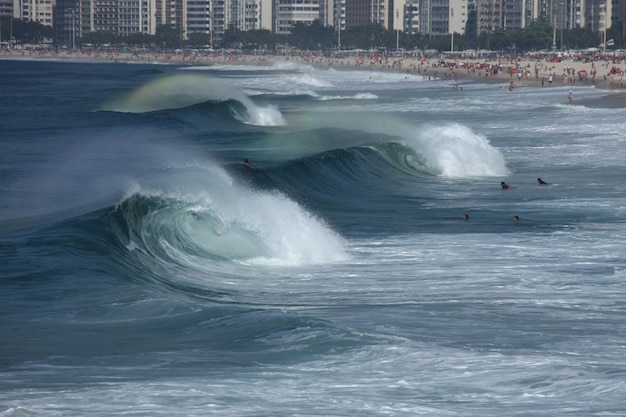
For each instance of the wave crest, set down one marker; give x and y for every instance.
(215, 221)
(452, 150)
(455, 151)
(185, 90)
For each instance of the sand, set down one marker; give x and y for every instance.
(607, 76)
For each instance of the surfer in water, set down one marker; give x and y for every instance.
(246, 162)
(505, 186)
(541, 182)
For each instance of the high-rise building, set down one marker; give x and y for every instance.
(205, 18)
(167, 12)
(289, 12)
(411, 17)
(489, 14)
(442, 17)
(459, 14)
(382, 13)
(619, 16)
(597, 16)
(211, 18)
(67, 22)
(6, 8)
(40, 11)
(358, 13)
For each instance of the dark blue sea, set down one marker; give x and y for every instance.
(146, 271)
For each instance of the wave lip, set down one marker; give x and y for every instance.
(455, 151)
(451, 150)
(185, 90)
(213, 221)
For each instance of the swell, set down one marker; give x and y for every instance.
(302, 97)
(351, 174)
(229, 115)
(75, 278)
(376, 178)
(328, 158)
(166, 272)
(194, 232)
(195, 227)
(185, 90)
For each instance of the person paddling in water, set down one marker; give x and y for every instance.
(541, 182)
(246, 162)
(505, 186)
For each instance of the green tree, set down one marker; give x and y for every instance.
(615, 33)
(98, 38)
(138, 39)
(500, 40)
(168, 36)
(232, 37)
(198, 39)
(311, 37)
(365, 37)
(537, 35)
(414, 41)
(25, 31)
(265, 38)
(579, 38)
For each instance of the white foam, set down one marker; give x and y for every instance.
(457, 152)
(360, 96)
(265, 116)
(183, 90)
(212, 214)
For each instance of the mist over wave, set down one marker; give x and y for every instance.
(455, 151)
(184, 90)
(359, 96)
(198, 217)
(451, 150)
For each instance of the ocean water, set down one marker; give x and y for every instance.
(145, 271)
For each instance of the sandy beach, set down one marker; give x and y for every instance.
(604, 75)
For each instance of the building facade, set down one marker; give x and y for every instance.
(40, 11)
(441, 17)
(6, 8)
(597, 16)
(289, 12)
(211, 18)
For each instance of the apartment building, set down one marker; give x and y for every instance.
(34, 10)
(6, 8)
(289, 12)
(411, 21)
(212, 18)
(442, 17)
(598, 16)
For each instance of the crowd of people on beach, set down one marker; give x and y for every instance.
(603, 71)
(534, 72)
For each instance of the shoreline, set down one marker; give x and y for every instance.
(606, 76)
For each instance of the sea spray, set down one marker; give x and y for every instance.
(184, 90)
(191, 216)
(455, 151)
(450, 150)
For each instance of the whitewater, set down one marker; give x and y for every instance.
(145, 270)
